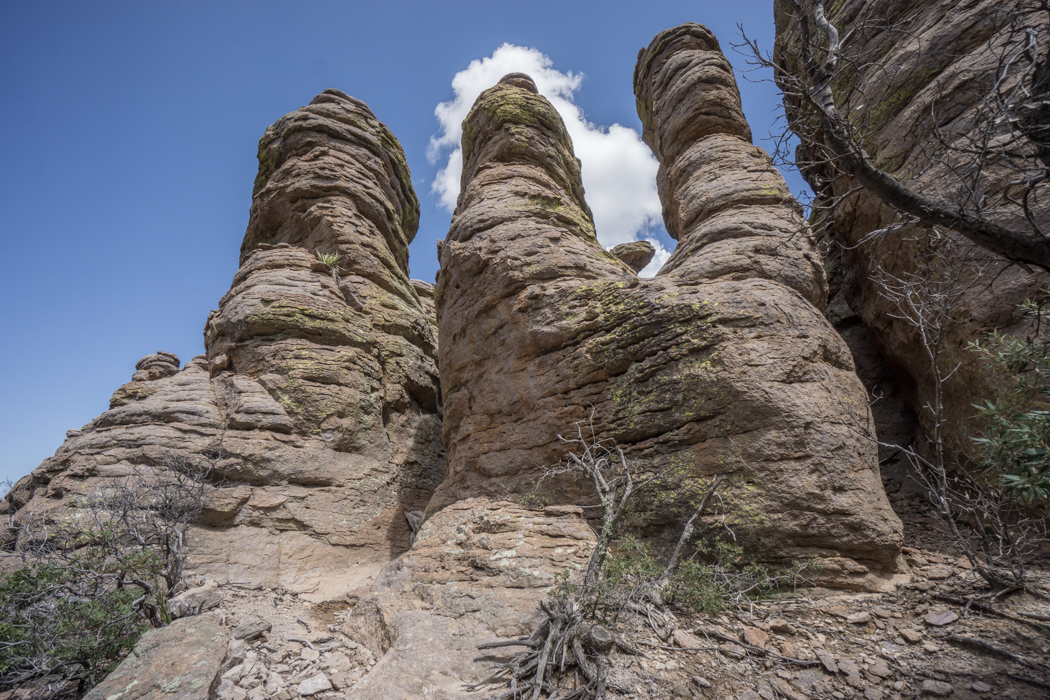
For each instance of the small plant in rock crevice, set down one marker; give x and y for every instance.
(332, 261)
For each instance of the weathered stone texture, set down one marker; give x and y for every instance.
(721, 364)
(476, 573)
(177, 662)
(636, 254)
(924, 66)
(317, 400)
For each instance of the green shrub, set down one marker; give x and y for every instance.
(715, 576)
(56, 620)
(1016, 440)
(97, 576)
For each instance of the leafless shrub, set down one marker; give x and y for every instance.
(93, 579)
(996, 530)
(578, 627)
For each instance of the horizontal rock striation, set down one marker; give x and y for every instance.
(723, 201)
(316, 405)
(722, 364)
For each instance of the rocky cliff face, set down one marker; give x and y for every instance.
(926, 69)
(722, 364)
(316, 405)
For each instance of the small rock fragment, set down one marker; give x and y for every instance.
(755, 637)
(940, 618)
(314, 685)
(937, 573)
(980, 686)
(251, 628)
(880, 669)
(686, 640)
(235, 674)
(273, 683)
(937, 688)
(195, 600)
(701, 681)
(852, 672)
(780, 626)
(911, 636)
(860, 618)
(827, 661)
(236, 652)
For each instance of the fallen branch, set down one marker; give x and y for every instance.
(320, 647)
(987, 646)
(757, 650)
(989, 610)
(715, 649)
(1032, 681)
(1035, 616)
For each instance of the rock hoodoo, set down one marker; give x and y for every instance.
(722, 364)
(636, 254)
(317, 401)
(318, 408)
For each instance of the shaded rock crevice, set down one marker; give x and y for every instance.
(922, 77)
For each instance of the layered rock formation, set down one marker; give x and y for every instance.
(636, 254)
(722, 364)
(316, 405)
(923, 72)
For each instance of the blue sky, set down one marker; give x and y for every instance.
(129, 154)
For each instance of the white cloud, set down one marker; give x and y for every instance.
(619, 170)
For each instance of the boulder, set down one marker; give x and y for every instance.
(476, 573)
(177, 662)
(636, 254)
(721, 364)
(195, 600)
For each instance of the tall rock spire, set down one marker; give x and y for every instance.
(723, 201)
(722, 364)
(316, 403)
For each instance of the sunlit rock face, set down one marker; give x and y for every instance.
(316, 403)
(722, 364)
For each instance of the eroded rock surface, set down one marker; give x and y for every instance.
(925, 69)
(476, 573)
(722, 364)
(636, 254)
(316, 405)
(177, 662)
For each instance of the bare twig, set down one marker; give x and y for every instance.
(987, 646)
